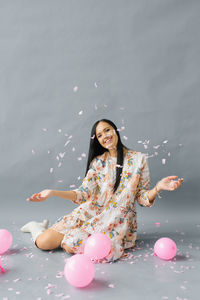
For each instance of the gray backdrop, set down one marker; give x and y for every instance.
(66, 64)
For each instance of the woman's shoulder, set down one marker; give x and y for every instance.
(134, 154)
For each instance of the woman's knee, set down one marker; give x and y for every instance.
(49, 240)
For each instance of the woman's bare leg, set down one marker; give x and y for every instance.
(49, 240)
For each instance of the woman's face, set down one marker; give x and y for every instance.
(106, 136)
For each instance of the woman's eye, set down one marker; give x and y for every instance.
(107, 129)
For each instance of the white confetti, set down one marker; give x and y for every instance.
(51, 170)
(83, 155)
(165, 142)
(80, 112)
(125, 137)
(111, 286)
(62, 154)
(95, 107)
(163, 161)
(44, 129)
(92, 137)
(95, 84)
(156, 147)
(33, 151)
(168, 153)
(75, 89)
(67, 142)
(73, 149)
(72, 186)
(59, 130)
(16, 280)
(49, 292)
(79, 158)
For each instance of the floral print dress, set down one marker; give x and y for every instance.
(101, 210)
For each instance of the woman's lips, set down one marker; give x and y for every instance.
(108, 141)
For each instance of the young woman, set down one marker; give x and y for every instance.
(116, 178)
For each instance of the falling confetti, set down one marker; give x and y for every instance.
(75, 89)
(125, 137)
(80, 112)
(33, 151)
(66, 143)
(44, 129)
(62, 154)
(165, 142)
(163, 161)
(95, 84)
(51, 170)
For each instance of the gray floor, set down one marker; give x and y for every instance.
(35, 274)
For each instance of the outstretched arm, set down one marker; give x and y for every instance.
(168, 183)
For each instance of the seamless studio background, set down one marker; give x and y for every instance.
(66, 64)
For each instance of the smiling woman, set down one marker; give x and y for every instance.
(116, 178)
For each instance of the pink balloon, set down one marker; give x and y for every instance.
(165, 248)
(79, 270)
(97, 246)
(5, 240)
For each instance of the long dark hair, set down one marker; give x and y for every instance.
(96, 149)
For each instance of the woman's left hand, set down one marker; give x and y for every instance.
(169, 183)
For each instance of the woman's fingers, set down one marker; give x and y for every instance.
(34, 197)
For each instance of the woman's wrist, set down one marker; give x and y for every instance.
(158, 189)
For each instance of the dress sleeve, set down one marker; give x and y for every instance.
(89, 185)
(144, 183)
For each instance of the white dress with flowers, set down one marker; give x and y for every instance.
(99, 210)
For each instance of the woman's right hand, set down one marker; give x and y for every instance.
(39, 197)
